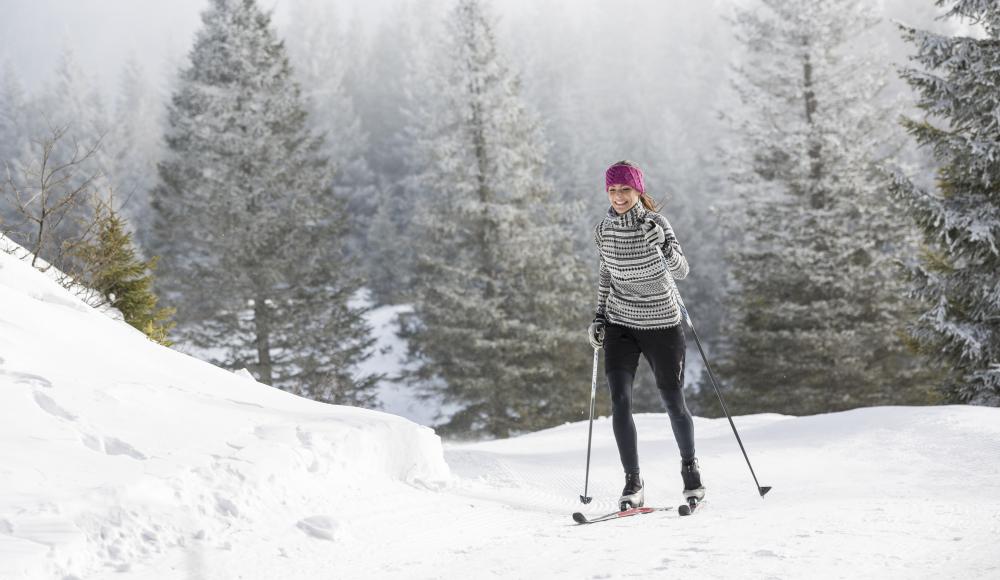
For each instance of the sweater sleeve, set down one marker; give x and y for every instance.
(604, 281)
(677, 264)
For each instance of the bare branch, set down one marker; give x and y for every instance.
(49, 188)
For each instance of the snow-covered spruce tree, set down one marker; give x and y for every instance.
(133, 147)
(13, 139)
(392, 78)
(245, 221)
(57, 160)
(958, 274)
(73, 99)
(499, 300)
(13, 104)
(396, 90)
(817, 314)
(321, 57)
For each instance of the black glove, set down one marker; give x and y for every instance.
(596, 332)
(654, 234)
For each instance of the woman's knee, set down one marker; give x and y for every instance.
(621, 404)
(673, 400)
(620, 385)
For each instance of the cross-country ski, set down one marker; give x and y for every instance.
(580, 518)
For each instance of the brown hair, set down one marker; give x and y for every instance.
(647, 201)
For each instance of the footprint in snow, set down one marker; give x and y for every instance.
(247, 403)
(48, 405)
(321, 527)
(115, 446)
(226, 507)
(111, 446)
(26, 379)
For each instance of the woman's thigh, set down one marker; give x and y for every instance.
(621, 349)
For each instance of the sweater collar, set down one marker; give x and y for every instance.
(630, 219)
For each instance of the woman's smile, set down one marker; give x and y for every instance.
(622, 197)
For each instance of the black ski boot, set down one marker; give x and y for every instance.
(692, 480)
(632, 496)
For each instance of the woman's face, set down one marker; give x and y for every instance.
(622, 197)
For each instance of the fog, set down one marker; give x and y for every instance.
(104, 33)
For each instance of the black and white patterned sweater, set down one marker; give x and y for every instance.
(634, 289)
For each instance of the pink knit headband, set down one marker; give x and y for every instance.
(624, 175)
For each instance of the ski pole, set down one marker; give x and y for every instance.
(687, 318)
(590, 430)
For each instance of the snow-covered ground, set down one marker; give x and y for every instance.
(121, 459)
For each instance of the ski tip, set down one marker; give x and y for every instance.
(764, 490)
(579, 518)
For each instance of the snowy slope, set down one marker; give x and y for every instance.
(120, 459)
(114, 449)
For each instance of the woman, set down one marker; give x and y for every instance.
(639, 311)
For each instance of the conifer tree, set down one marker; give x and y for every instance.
(394, 98)
(111, 268)
(248, 227)
(500, 300)
(956, 277)
(13, 138)
(133, 147)
(13, 104)
(816, 314)
(74, 100)
(57, 156)
(321, 57)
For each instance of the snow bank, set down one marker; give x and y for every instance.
(114, 449)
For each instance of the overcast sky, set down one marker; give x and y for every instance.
(103, 33)
(158, 33)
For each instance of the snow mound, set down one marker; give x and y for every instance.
(114, 449)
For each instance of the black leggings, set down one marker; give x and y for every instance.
(664, 351)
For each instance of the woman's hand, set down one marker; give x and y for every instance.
(654, 234)
(596, 332)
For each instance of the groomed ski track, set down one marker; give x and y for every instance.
(868, 493)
